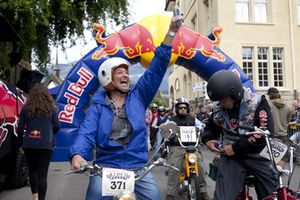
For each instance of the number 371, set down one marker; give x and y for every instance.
(117, 185)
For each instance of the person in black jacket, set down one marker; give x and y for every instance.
(201, 113)
(176, 152)
(233, 106)
(37, 125)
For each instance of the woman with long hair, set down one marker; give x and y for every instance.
(37, 125)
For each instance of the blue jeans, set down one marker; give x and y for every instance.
(144, 189)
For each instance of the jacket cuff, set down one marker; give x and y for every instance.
(165, 46)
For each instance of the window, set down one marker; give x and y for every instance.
(262, 63)
(248, 62)
(242, 10)
(298, 10)
(278, 67)
(261, 11)
(251, 11)
(265, 65)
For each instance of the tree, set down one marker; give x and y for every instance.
(160, 101)
(30, 26)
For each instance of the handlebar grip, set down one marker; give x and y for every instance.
(249, 128)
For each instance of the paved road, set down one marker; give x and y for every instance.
(61, 187)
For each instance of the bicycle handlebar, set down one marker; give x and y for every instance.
(96, 170)
(254, 130)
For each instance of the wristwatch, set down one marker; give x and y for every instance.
(171, 33)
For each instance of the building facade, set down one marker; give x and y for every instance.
(261, 36)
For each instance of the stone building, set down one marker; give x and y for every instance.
(261, 36)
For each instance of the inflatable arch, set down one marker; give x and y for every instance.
(136, 43)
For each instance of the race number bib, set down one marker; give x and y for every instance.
(115, 181)
(278, 150)
(188, 134)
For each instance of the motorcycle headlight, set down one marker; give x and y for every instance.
(192, 158)
(127, 196)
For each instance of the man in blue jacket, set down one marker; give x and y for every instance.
(115, 122)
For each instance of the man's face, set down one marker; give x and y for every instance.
(182, 109)
(154, 109)
(227, 103)
(120, 78)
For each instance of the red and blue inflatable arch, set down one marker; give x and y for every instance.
(136, 43)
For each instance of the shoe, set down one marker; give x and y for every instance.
(170, 197)
(204, 196)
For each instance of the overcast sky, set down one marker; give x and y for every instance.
(139, 10)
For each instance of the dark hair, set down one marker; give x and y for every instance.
(273, 93)
(272, 90)
(40, 102)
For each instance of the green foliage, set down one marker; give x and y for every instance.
(30, 26)
(160, 101)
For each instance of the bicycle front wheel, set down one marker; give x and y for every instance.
(194, 189)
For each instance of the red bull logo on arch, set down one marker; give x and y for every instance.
(188, 42)
(139, 42)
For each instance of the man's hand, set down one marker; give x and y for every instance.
(211, 144)
(172, 28)
(227, 150)
(292, 123)
(77, 161)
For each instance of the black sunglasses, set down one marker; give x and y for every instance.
(181, 108)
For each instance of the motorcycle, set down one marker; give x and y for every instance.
(188, 138)
(274, 151)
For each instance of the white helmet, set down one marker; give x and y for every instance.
(106, 68)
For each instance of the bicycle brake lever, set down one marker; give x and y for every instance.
(175, 168)
(73, 171)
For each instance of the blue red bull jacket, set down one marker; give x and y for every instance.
(97, 125)
(37, 132)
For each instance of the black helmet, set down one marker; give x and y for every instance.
(223, 84)
(182, 100)
(161, 109)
